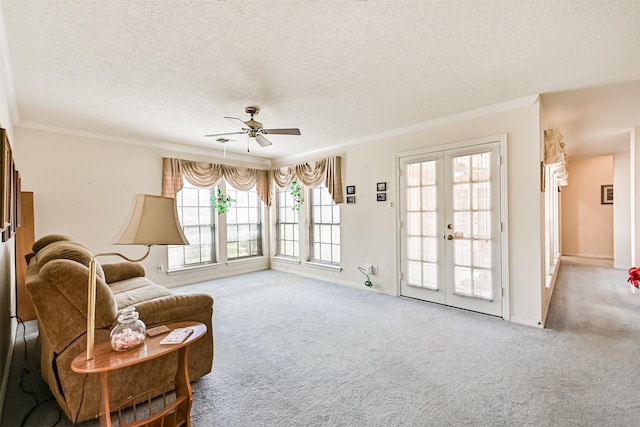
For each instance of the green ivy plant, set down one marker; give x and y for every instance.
(221, 202)
(296, 193)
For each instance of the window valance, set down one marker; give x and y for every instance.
(312, 174)
(555, 156)
(203, 174)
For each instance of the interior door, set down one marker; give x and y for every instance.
(450, 227)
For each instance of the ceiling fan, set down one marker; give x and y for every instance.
(254, 129)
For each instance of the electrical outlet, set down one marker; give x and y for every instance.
(160, 268)
(368, 267)
(373, 269)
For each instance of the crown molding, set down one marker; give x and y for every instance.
(451, 119)
(265, 163)
(158, 145)
(6, 72)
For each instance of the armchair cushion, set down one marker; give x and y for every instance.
(59, 294)
(67, 250)
(48, 239)
(166, 309)
(117, 271)
(136, 290)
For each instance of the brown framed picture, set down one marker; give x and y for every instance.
(606, 194)
(17, 190)
(10, 225)
(6, 176)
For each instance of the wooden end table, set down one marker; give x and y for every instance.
(107, 360)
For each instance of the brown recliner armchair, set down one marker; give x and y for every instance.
(57, 283)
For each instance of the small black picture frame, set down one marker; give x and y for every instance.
(351, 189)
(381, 186)
(351, 199)
(606, 194)
(381, 197)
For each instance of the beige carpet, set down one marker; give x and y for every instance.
(293, 351)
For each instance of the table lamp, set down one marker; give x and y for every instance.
(153, 220)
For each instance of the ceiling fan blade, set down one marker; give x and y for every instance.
(238, 122)
(262, 140)
(291, 131)
(226, 133)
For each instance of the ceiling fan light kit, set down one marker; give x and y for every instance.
(254, 129)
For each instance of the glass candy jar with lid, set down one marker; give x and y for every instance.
(129, 332)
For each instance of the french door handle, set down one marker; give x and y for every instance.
(450, 237)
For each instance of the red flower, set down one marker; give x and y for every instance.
(634, 276)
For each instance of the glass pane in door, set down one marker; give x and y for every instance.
(471, 177)
(421, 227)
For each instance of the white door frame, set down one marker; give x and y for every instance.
(501, 139)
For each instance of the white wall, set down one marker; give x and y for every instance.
(83, 187)
(622, 210)
(548, 199)
(587, 225)
(368, 227)
(86, 191)
(7, 249)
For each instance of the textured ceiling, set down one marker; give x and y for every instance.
(169, 71)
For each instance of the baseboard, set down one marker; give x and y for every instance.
(552, 286)
(215, 272)
(7, 368)
(357, 285)
(581, 255)
(526, 322)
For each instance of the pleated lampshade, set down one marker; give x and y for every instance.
(153, 220)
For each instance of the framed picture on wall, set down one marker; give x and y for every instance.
(6, 176)
(606, 194)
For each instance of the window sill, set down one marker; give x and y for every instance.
(194, 268)
(320, 266)
(285, 260)
(249, 260)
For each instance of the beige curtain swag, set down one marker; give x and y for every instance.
(555, 156)
(205, 175)
(312, 174)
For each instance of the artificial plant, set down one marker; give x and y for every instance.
(221, 202)
(296, 193)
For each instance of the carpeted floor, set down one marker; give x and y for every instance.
(293, 351)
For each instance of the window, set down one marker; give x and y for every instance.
(196, 214)
(324, 236)
(287, 225)
(244, 224)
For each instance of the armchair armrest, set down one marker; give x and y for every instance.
(174, 308)
(117, 271)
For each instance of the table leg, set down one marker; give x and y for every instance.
(105, 410)
(183, 386)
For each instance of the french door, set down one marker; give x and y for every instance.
(450, 236)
